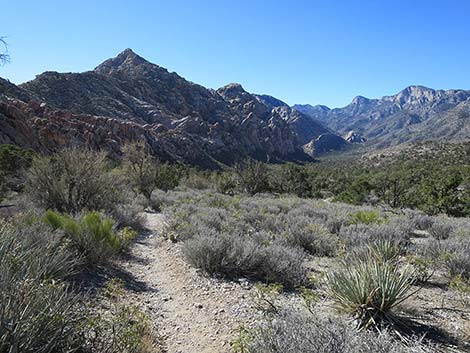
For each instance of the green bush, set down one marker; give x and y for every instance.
(367, 217)
(252, 176)
(73, 180)
(92, 236)
(370, 289)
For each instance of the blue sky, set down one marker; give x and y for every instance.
(317, 52)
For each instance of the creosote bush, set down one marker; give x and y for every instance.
(73, 180)
(145, 173)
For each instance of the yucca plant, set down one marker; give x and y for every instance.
(370, 290)
(385, 250)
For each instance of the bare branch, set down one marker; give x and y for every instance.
(4, 56)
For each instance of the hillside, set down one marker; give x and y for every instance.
(128, 98)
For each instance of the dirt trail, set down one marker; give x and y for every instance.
(195, 314)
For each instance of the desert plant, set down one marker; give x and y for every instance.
(252, 176)
(226, 182)
(37, 310)
(314, 238)
(441, 230)
(423, 222)
(292, 331)
(457, 257)
(92, 236)
(385, 250)
(140, 168)
(367, 217)
(265, 297)
(235, 255)
(121, 327)
(72, 180)
(461, 286)
(370, 290)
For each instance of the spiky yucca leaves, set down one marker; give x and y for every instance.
(386, 250)
(370, 290)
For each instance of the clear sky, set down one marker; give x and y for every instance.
(317, 52)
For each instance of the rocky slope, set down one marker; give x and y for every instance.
(128, 98)
(415, 114)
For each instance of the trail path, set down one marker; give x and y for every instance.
(193, 313)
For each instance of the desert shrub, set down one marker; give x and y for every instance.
(290, 178)
(72, 180)
(282, 264)
(129, 213)
(441, 230)
(291, 331)
(423, 222)
(369, 290)
(334, 224)
(235, 255)
(386, 250)
(314, 238)
(37, 308)
(14, 158)
(367, 217)
(14, 161)
(226, 183)
(252, 177)
(140, 168)
(92, 236)
(198, 181)
(457, 257)
(361, 235)
(168, 176)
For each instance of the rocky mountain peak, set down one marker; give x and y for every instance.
(124, 61)
(360, 100)
(414, 93)
(231, 91)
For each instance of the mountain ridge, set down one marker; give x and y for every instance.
(416, 113)
(181, 120)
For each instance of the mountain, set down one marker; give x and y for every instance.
(415, 114)
(127, 98)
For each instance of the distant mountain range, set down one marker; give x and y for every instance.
(127, 98)
(415, 114)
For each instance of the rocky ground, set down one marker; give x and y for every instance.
(193, 313)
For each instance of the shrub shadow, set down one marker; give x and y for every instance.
(411, 329)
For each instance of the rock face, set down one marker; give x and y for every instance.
(415, 114)
(353, 137)
(128, 98)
